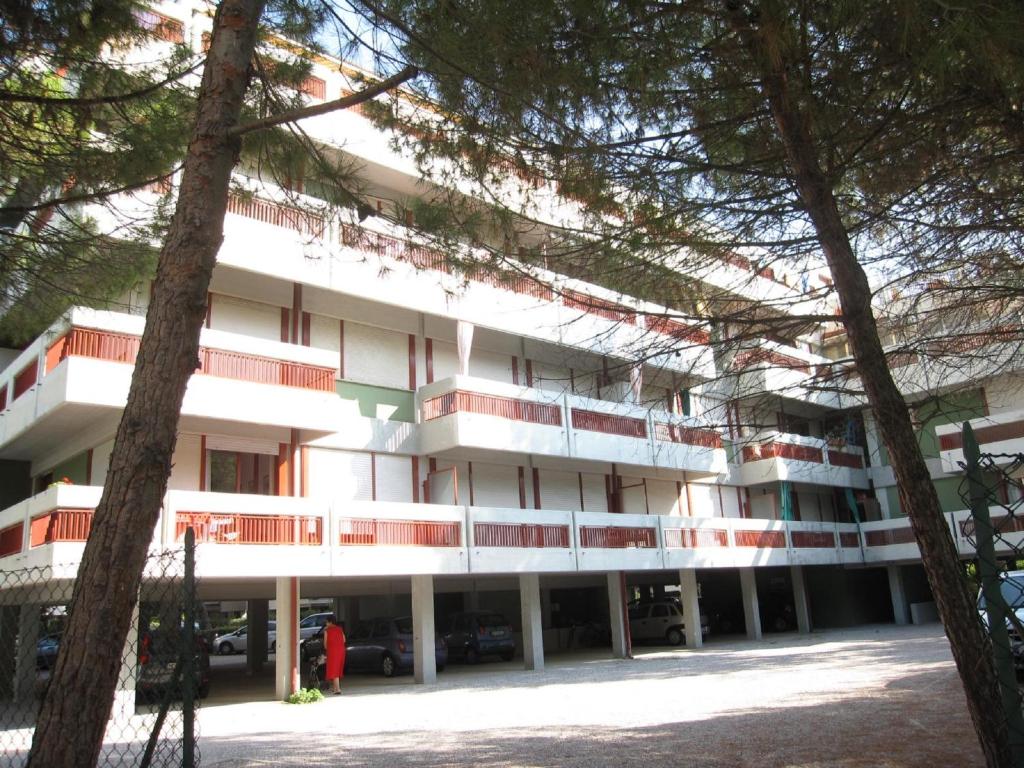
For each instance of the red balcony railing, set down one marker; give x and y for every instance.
(161, 27)
(1000, 524)
(10, 539)
(315, 87)
(120, 347)
(844, 459)
(772, 358)
(592, 421)
(791, 451)
(616, 537)
(400, 533)
(692, 538)
(60, 525)
(25, 380)
(761, 539)
(675, 433)
(889, 537)
(813, 539)
(419, 256)
(278, 214)
(525, 535)
(849, 540)
(491, 405)
(522, 284)
(593, 306)
(3, 398)
(228, 528)
(678, 330)
(1012, 430)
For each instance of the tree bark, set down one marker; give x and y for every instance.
(917, 493)
(69, 732)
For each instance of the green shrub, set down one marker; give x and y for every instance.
(305, 696)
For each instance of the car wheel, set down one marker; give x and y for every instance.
(225, 648)
(388, 666)
(273, 647)
(507, 655)
(674, 636)
(472, 656)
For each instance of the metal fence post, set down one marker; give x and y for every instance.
(991, 587)
(188, 678)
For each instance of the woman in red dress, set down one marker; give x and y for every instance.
(334, 647)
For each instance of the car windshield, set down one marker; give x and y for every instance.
(491, 620)
(1013, 593)
(404, 625)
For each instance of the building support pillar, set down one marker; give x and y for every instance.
(533, 624)
(801, 604)
(256, 647)
(29, 624)
(691, 607)
(424, 653)
(751, 608)
(286, 663)
(617, 616)
(900, 612)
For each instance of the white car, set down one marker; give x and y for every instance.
(237, 641)
(660, 621)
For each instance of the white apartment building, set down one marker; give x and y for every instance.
(371, 426)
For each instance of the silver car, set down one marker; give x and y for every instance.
(238, 641)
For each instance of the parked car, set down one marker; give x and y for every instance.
(662, 620)
(46, 651)
(471, 635)
(312, 624)
(238, 641)
(159, 651)
(380, 645)
(1012, 588)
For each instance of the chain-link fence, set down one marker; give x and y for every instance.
(165, 664)
(993, 489)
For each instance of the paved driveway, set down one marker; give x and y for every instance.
(877, 696)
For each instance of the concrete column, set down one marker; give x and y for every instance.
(286, 664)
(616, 617)
(258, 613)
(800, 602)
(29, 624)
(533, 626)
(751, 609)
(473, 599)
(8, 650)
(124, 695)
(424, 658)
(691, 607)
(899, 596)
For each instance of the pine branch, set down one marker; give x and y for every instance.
(344, 102)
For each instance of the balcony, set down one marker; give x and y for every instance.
(466, 412)
(247, 536)
(81, 369)
(1001, 433)
(774, 456)
(786, 371)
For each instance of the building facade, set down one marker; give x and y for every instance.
(372, 426)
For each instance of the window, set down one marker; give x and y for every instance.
(382, 628)
(361, 631)
(659, 612)
(240, 472)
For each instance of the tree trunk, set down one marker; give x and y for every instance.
(917, 493)
(75, 711)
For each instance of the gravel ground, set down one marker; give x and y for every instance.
(876, 696)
